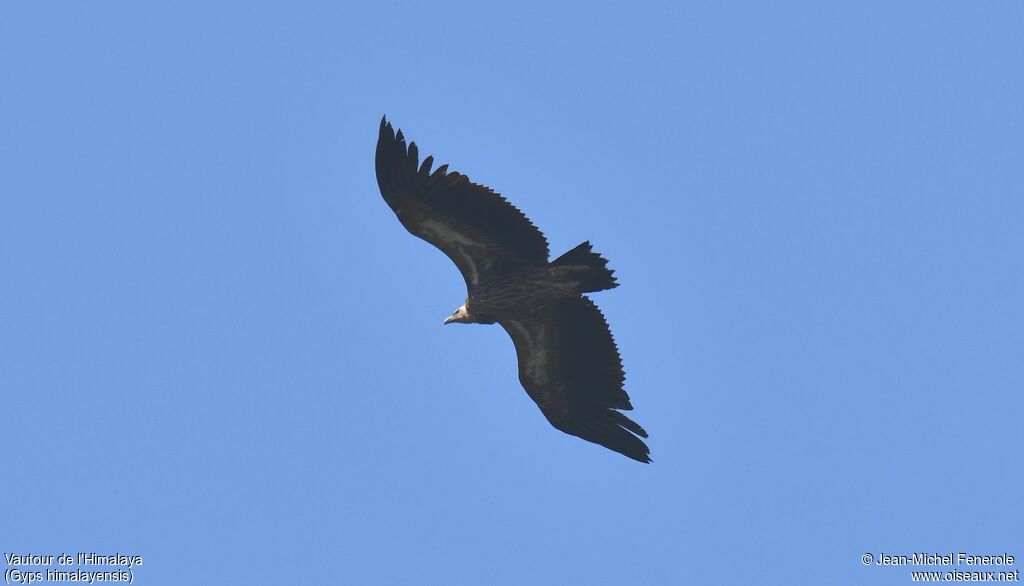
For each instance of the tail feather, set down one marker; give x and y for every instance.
(596, 277)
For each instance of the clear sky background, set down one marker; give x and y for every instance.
(220, 350)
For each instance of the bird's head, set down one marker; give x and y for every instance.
(460, 315)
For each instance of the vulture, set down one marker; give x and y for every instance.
(568, 361)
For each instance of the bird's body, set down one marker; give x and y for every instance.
(568, 362)
(525, 293)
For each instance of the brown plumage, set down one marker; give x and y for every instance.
(568, 361)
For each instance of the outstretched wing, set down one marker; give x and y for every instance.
(477, 228)
(569, 365)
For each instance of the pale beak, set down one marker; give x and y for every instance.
(457, 316)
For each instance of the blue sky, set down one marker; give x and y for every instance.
(220, 350)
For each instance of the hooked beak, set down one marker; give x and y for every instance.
(459, 315)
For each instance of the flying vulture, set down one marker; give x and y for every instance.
(568, 362)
